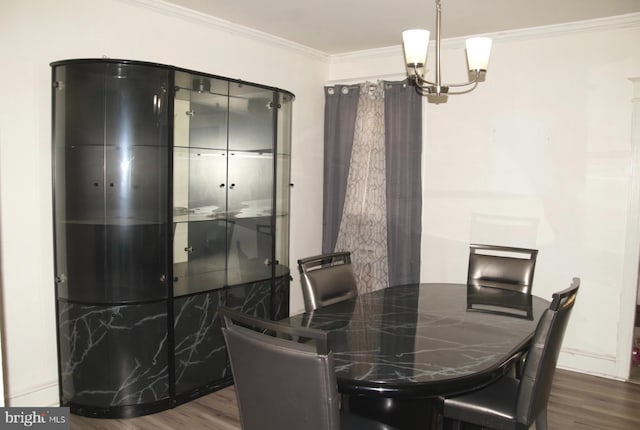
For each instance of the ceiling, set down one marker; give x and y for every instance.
(338, 26)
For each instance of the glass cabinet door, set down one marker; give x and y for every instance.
(200, 226)
(251, 178)
(224, 175)
(111, 144)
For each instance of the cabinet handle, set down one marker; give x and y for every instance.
(221, 185)
(232, 186)
(189, 249)
(157, 104)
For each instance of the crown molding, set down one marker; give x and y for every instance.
(600, 24)
(180, 12)
(170, 9)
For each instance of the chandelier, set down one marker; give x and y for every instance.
(416, 45)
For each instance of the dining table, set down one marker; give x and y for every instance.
(398, 350)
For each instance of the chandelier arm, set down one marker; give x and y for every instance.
(419, 80)
(468, 90)
(423, 91)
(474, 81)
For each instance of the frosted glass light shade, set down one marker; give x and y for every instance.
(478, 51)
(416, 44)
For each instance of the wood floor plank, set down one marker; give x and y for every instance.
(577, 402)
(586, 402)
(216, 411)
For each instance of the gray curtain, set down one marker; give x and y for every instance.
(402, 170)
(403, 141)
(341, 104)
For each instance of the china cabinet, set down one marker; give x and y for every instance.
(171, 198)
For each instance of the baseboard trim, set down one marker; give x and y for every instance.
(591, 363)
(42, 395)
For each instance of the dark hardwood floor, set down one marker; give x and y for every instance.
(577, 401)
(588, 402)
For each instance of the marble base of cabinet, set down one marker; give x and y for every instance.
(116, 362)
(113, 359)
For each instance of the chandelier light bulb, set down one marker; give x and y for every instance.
(478, 51)
(416, 45)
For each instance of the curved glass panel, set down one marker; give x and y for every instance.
(111, 149)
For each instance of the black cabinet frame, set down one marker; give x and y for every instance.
(132, 339)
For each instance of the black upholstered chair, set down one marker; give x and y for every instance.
(282, 383)
(327, 279)
(515, 404)
(502, 267)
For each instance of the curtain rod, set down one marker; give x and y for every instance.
(362, 79)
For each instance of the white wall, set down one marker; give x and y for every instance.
(540, 156)
(34, 33)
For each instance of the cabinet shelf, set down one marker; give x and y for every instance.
(112, 221)
(223, 152)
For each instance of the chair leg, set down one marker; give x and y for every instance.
(437, 420)
(447, 424)
(541, 420)
(519, 367)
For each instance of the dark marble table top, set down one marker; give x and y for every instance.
(425, 340)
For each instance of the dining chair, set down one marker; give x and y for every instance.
(327, 279)
(515, 404)
(502, 267)
(282, 383)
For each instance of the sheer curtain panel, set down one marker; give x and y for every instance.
(363, 227)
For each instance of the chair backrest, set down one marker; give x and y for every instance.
(327, 279)
(502, 267)
(542, 356)
(499, 301)
(280, 383)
